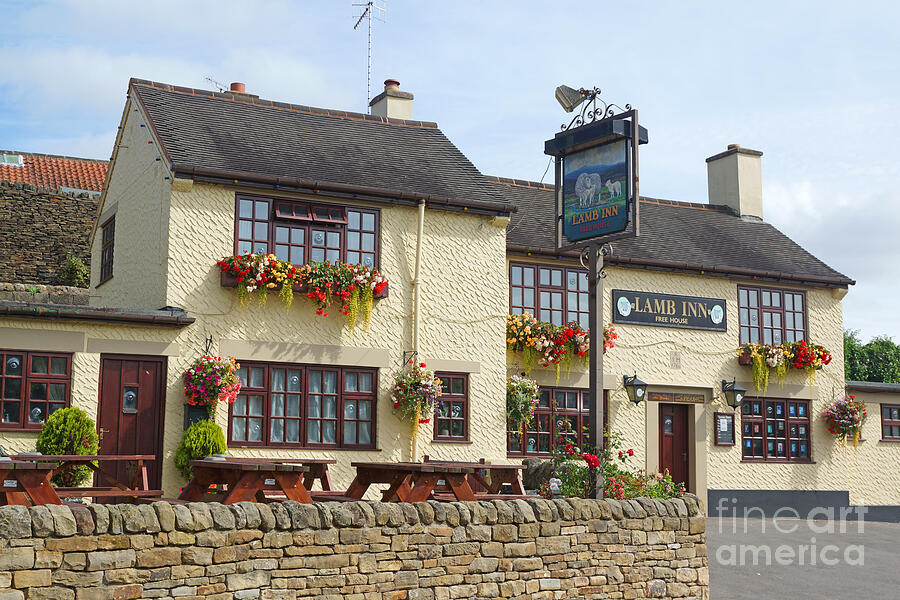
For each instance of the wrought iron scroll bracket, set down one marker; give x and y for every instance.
(585, 257)
(594, 108)
(209, 343)
(409, 356)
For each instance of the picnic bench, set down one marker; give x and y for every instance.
(245, 479)
(410, 482)
(487, 480)
(33, 482)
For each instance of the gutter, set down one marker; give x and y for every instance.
(230, 177)
(684, 266)
(58, 312)
(873, 386)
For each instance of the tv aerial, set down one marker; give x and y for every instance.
(372, 10)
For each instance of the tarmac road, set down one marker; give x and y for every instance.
(805, 559)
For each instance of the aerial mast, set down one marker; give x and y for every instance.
(370, 10)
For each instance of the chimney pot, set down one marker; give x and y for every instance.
(391, 84)
(238, 87)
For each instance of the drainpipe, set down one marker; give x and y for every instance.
(417, 293)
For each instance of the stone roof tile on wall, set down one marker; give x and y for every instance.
(226, 132)
(54, 171)
(695, 236)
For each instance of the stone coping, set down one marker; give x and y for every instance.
(18, 522)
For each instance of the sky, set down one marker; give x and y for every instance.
(814, 85)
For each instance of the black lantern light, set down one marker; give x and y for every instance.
(635, 388)
(734, 394)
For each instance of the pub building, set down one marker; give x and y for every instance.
(196, 176)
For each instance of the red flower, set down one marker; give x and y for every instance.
(422, 365)
(630, 452)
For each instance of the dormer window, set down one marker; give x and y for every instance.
(302, 232)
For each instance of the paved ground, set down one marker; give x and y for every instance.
(860, 563)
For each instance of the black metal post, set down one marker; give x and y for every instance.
(595, 373)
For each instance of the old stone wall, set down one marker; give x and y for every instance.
(38, 225)
(535, 548)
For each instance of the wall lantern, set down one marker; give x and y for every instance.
(635, 388)
(734, 394)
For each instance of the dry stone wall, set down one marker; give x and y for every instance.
(535, 548)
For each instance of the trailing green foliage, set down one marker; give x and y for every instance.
(69, 431)
(202, 439)
(75, 272)
(878, 360)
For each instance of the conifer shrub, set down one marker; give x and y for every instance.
(69, 431)
(202, 439)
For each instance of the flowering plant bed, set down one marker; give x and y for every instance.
(845, 417)
(766, 358)
(211, 379)
(522, 396)
(549, 344)
(350, 287)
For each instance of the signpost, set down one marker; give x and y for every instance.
(596, 203)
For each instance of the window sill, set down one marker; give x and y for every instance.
(529, 455)
(287, 447)
(228, 280)
(889, 440)
(102, 282)
(443, 441)
(23, 429)
(776, 462)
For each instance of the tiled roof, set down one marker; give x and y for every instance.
(226, 132)
(53, 171)
(679, 235)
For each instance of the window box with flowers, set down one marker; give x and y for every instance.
(777, 359)
(548, 344)
(351, 288)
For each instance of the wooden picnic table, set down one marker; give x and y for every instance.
(410, 482)
(318, 469)
(137, 485)
(498, 476)
(26, 482)
(245, 479)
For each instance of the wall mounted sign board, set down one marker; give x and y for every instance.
(669, 310)
(724, 426)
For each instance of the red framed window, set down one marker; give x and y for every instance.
(890, 422)
(33, 385)
(559, 410)
(451, 414)
(301, 232)
(775, 430)
(555, 295)
(107, 249)
(770, 316)
(307, 406)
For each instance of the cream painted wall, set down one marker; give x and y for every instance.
(873, 464)
(697, 361)
(137, 194)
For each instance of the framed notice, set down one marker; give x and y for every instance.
(724, 428)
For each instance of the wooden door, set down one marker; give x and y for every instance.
(673, 441)
(132, 402)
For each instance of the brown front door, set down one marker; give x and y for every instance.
(131, 408)
(673, 441)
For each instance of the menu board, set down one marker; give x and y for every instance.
(724, 428)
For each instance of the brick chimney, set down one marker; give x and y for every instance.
(392, 102)
(735, 180)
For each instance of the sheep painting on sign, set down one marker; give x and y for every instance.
(595, 201)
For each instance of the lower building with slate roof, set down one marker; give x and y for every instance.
(214, 198)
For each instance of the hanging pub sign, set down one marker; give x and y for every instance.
(597, 175)
(668, 310)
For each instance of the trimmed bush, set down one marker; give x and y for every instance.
(202, 439)
(69, 431)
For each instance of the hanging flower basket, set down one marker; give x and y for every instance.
(413, 396)
(845, 418)
(350, 288)
(522, 397)
(211, 379)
